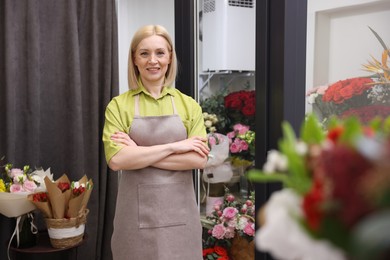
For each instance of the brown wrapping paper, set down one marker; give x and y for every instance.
(44, 207)
(78, 204)
(64, 204)
(58, 199)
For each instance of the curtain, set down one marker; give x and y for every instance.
(58, 71)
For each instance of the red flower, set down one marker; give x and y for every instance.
(335, 133)
(312, 205)
(77, 191)
(241, 105)
(40, 197)
(346, 89)
(63, 186)
(220, 250)
(345, 168)
(208, 251)
(367, 113)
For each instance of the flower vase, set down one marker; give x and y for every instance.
(244, 185)
(215, 196)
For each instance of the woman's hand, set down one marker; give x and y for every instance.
(195, 143)
(122, 138)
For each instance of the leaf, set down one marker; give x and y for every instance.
(379, 39)
(299, 177)
(261, 176)
(352, 129)
(312, 131)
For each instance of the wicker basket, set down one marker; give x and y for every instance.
(66, 233)
(242, 249)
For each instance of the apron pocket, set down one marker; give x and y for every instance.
(162, 205)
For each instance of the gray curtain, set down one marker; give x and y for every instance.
(58, 71)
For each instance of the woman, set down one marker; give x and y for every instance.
(156, 135)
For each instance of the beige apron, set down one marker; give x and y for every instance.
(156, 214)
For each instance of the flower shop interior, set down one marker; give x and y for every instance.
(296, 102)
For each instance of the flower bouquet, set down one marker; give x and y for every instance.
(241, 107)
(242, 145)
(230, 228)
(15, 185)
(335, 201)
(223, 110)
(64, 207)
(217, 170)
(242, 155)
(362, 97)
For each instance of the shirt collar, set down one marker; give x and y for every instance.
(165, 91)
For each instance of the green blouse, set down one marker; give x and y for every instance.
(120, 113)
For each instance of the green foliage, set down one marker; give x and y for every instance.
(215, 105)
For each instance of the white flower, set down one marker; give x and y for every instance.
(208, 123)
(276, 161)
(284, 238)
(312, 98)
(214, 119)
(242, 222)
(301, 148)
(39, 177)
(212, 129)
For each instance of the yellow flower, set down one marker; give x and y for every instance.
(2, 186)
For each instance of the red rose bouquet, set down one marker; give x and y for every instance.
(224, 110)
(335, 201)
(241, 107)
(363, 97)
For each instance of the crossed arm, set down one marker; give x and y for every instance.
(187, 154)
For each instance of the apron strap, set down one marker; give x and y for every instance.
(173, 106)
(136, 106)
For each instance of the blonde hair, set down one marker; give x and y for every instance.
(140, 34)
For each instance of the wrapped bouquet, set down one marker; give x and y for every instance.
(64, 206)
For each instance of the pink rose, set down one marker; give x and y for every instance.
(234, 148)
(249, 229)
(230, 198)
(231, 223)
(15, 172)
(219, 231)
(229, 232)
(244, 145)
(231, 135)
(229, 212)
(16, 188)
(29, 186)
(241, 129)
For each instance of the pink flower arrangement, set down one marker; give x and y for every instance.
(242, 144)
(16, 180)
(229, 219)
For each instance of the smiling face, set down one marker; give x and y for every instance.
(152, 58)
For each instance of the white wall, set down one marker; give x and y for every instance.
(339, 40)
(131, 15)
